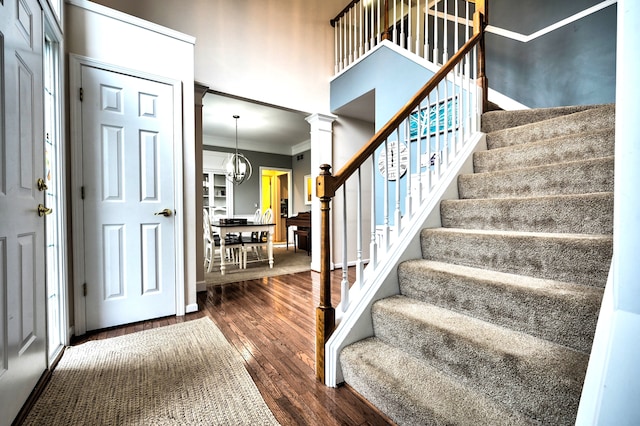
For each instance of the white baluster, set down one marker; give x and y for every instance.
(445, 122)
(339, 25)
(419, 154)
(426, 30)
(345, 40)
(395, 36)
(409, 43)
(408, 200)
(456, 29)
(436, 54)
(359, 261)
(379, 32)
(438, 142)
(398, 213)
(418, 13)
(386, 198)
(344, 285)
(373, 244)
(400, 41)
(335, 37)
(366, 28)
(361, 27)
(351, 29)
(445, 34)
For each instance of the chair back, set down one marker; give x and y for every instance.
(257, 216)
(206, 225)
(267, 216)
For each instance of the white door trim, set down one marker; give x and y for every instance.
(76, 62)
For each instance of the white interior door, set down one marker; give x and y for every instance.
(23, 354)
(128, 178)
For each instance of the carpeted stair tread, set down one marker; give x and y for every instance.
(575, 147)
(497, 120)
(575, 177)
(557, 311)
(579, 258)
(530, 375)
(412, 392)
(576, 213)
(589, 120)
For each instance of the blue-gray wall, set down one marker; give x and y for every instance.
(394, 78)
(573, 65)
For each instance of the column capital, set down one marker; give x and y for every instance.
(321, 121)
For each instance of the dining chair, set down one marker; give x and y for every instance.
(258, 240)
(233, 246)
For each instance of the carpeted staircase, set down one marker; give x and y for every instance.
(494, 324)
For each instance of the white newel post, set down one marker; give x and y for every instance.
(321, 153)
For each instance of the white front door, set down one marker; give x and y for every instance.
(128, 180)
(23, 356)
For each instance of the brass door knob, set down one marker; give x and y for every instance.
(165, 213)
(42, 185)
(43, 211)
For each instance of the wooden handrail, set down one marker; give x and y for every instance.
(327, 184)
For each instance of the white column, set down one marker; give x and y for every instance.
(612, 383)
(321, 153)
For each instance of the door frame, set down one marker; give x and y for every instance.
(76, 62)
(289, 173)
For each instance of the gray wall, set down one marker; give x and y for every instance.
(247, 194)
(573, 65)
(301, 167)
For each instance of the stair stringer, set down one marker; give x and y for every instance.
(356, 323)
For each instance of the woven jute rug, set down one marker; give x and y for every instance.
(182, 374)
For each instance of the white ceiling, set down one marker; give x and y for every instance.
(261, 127)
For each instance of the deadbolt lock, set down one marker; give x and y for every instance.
(42, 185)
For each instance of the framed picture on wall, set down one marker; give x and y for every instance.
(308, 189)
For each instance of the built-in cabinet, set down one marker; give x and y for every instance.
(217, 193)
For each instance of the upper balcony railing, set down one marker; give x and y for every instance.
(432, 29)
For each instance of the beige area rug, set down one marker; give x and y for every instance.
(284, 262)
(182, 374)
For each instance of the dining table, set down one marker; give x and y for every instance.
(223, 228)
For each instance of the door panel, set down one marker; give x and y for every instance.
(23, 355)
(127, 128)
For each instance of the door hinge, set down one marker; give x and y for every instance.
(84, 289)
(81, 94)
(82, 192)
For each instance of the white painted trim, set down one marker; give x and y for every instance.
(76, 62)
(505, 102)
(52, 30)
(301, 147)
(132, 20)
(192, 308)
(564, 22)
(397, 49)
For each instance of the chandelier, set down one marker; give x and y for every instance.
(237, 166)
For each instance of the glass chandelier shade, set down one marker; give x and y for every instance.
(237, 166)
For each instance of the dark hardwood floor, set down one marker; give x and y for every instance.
(271, 322)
